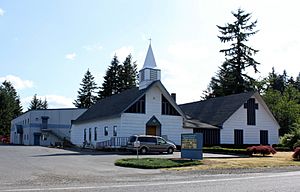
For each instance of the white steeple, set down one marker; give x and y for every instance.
(149, 72)
(149, 61)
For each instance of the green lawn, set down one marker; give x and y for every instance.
(155, 163)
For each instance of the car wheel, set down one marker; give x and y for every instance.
(143, 150)
(170, 150)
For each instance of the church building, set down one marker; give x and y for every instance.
(150, 110)
(145, 110)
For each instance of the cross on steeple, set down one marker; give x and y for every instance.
(251, 106)
(150, 40)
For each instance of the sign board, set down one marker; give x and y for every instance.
(191, 145)
(136, 144)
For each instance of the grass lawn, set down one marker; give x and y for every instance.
(155, 163)
(280, 159)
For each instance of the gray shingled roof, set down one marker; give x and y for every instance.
(111, 106)
(215, 111)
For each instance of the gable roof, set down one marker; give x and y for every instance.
(110, 106)
(215, 111)
(118, 103)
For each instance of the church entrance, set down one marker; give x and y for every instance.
(153, 127)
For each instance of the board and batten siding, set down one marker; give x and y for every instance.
(77, 130)
(135, 123)
(251, 133)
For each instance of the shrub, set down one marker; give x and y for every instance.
(261, 149)
(297, 144)
(296, 155)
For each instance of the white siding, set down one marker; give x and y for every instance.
(59, 122)
(171, 126)
(251, 132)
(134, 123)
(77, 131)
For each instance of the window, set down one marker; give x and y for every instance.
(210, 136)
(238, 137)
(115, 131)
(105, 131)
(138, 107)
(95, 133)
(167, 108)
(84, 134)
(161, 141)
(45, 122)
(147, 139)
(90, 134)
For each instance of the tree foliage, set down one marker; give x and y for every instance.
(86, 94)
(119, 77)
(283, 99)
(231, 77)
(37, 103)
(10, 106)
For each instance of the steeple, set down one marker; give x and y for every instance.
(150, 60)
(149, 72)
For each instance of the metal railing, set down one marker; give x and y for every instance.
(113, 142)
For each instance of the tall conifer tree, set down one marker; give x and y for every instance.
(86, 94)
(10, 106)
(238, 57)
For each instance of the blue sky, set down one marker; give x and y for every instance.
(47, 46)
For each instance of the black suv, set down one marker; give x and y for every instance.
(149, 143)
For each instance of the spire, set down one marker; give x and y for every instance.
(149, 61)
(149, 73)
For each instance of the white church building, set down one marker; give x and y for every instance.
(149, 109)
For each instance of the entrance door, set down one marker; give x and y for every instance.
(151, 130)
(36, 139)
(238, 137)
(264, 140)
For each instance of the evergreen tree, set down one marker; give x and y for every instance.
(37, 103)
(238, 58)
(111, 82)
(118, 77)
(86, 94)
(128, 74)
(10, 106)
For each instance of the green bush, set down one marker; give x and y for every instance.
(297, 144)
(290, 139)
(155, 163)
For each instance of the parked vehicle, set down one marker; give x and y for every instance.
(149, 143)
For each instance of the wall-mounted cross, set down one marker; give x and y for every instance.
(251, 106)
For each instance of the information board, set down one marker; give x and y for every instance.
(191, 145)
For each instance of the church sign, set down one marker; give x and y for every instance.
(191, 145)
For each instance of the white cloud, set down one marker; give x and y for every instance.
(17, 82)
(70, 56)
(94, 47)
(123, 52)
(54, 101)
(2, 12)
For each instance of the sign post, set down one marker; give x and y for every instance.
(137, 144)
(191, 146)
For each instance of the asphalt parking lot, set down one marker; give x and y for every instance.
(35, 166)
